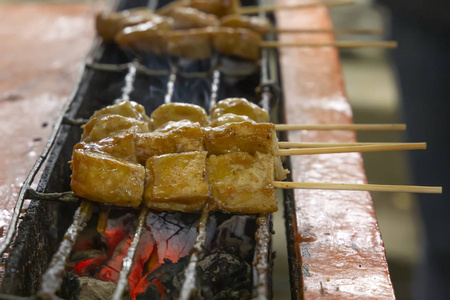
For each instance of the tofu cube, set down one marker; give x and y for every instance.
(118, 146)
(102, 178)
(242, 183)
(183, 136)
(177, 182)
(106, 126)
(241, 137)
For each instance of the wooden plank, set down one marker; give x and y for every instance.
(338, 246)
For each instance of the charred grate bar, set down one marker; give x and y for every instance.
(262, 255)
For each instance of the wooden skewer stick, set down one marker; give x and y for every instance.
(368, 148)
(358, 187)
(248, 10)
(336, 31)
(338, 44)
(286, 145)
(286, 127)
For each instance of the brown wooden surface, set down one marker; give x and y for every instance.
(338, 243)
(41, 48)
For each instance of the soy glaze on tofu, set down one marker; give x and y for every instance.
(177, 182)
(102, 178)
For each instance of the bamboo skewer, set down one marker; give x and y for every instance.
(248, 10)
(286, 145)
(367, 148)
(358, 187)
(336, 31)
(338, 44)
(286, 127)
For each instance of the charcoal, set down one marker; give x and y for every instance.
(170, 275)
(70, 288)
(236, 232)
(224, 275)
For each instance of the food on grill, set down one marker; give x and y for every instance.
(102, 178)
(191, 43)
(176, 137)
(109, 24)
(239, 107)
(177, 112)
(145, 37)
(119, 146)
(249, 137)
(257, 24)
(189, 18)
(242, 183)
(120, 118)
(129, 109)
(177, 181)
(239, 42)
(180, 158)
(110, 125)
(229, 118)
(168, 8)
(219, 8)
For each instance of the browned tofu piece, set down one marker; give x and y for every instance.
(230, 118)
(177, 111)
(102, 178)
(219, 8)
(182, 136)
(190, 43)
(129, 109)
(177, 182)
(240, 137)
(242, 183)
(238, 42)
(147, 37)
(109, 24)
(118, 146)
(110, 125)
(189, 18)
(257, 24)
(239, 106)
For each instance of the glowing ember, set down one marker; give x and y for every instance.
(79, 267)
(165, 239)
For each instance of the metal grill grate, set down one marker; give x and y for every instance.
(136, 74)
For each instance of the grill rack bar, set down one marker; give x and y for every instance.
(122, 283)
(190, 272)
(53, 277)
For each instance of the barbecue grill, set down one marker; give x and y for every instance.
(111, 74)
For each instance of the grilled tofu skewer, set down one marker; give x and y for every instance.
(188, 159)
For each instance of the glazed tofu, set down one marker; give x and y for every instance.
(177, 182)
(239, 106)
(110, 125)
(182, 136)
(177, 111)
(109, 24)
(242, 183)
(237, 42)
(247, 137)
(118, 146)
(129, 109)
(190, 43)
(102, 178)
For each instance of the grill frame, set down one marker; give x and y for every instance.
(57, 152)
